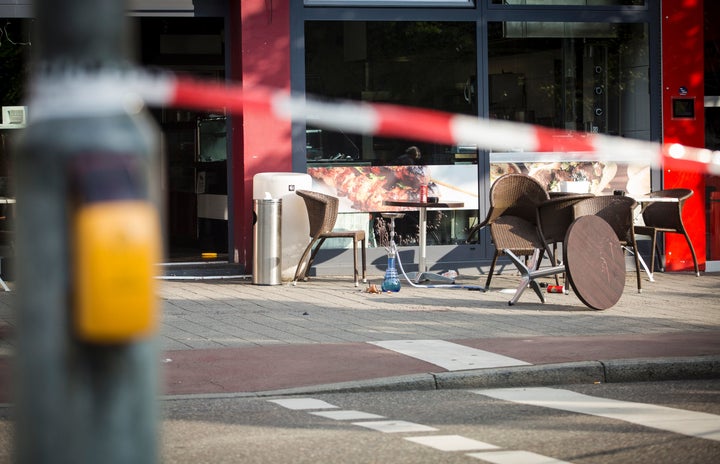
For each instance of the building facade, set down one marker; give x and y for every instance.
(616, 67)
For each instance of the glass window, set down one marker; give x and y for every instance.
(381, 3)
(420, 64)
(589, 77)
(570, 2)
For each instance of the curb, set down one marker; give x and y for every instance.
(654, 369)
(583, 372)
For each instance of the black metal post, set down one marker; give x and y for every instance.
(77, 401)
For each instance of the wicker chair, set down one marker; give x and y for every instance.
(554, 218)
(617, 211)
(666, 217)
(322, 213)
(512, 219)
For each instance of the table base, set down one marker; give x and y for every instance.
(415, 283)
(418, 277)
(594, 263)
(529, 274)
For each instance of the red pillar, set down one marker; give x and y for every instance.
(683, 78)
(261, 143)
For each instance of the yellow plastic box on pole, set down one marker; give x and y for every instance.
(117, 247)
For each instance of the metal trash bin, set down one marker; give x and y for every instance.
(294, 221)
(267, 252)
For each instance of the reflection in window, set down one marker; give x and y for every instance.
(590, 77)
(421, 64)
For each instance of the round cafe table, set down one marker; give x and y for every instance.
(595, 262)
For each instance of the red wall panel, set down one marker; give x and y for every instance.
(261, 142)
(682, 76)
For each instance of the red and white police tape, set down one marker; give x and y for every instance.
(75, 94)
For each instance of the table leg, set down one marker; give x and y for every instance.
(422, 266)
(644, 266)
(636, 218)
(423, 274)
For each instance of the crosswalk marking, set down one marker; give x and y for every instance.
(451, 443)
(299, 404)
(395, 426)
(695, 424)
(448, 443)
(515, 457)
(347, 415)
(449, 356)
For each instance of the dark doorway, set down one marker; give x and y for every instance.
(194, 178)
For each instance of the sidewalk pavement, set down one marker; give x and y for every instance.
(228, 337)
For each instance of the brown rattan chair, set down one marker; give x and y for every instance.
(554, 217)
(512, 217)
(322, 212)
(616, 210)
(666, 217)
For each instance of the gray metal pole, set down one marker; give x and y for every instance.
(77, 402)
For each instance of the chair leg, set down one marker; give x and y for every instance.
(473, 230)
(653, 249)
(553, 261)
(312, 256)
(636, 255)
(301, 271)
(303, 268)
(660, 257)
(492, 269)
(692, 251)
(363, 244)
(355, 262)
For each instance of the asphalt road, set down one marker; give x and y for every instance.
(453, 426)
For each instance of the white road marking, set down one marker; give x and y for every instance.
(299, 404)
(515, 457)
(347, 415)
(694, 424)
(451, 443)
(448, 443)
(395, 426)
(447, 355)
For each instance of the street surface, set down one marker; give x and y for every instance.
(661, 422)
(226, 347)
